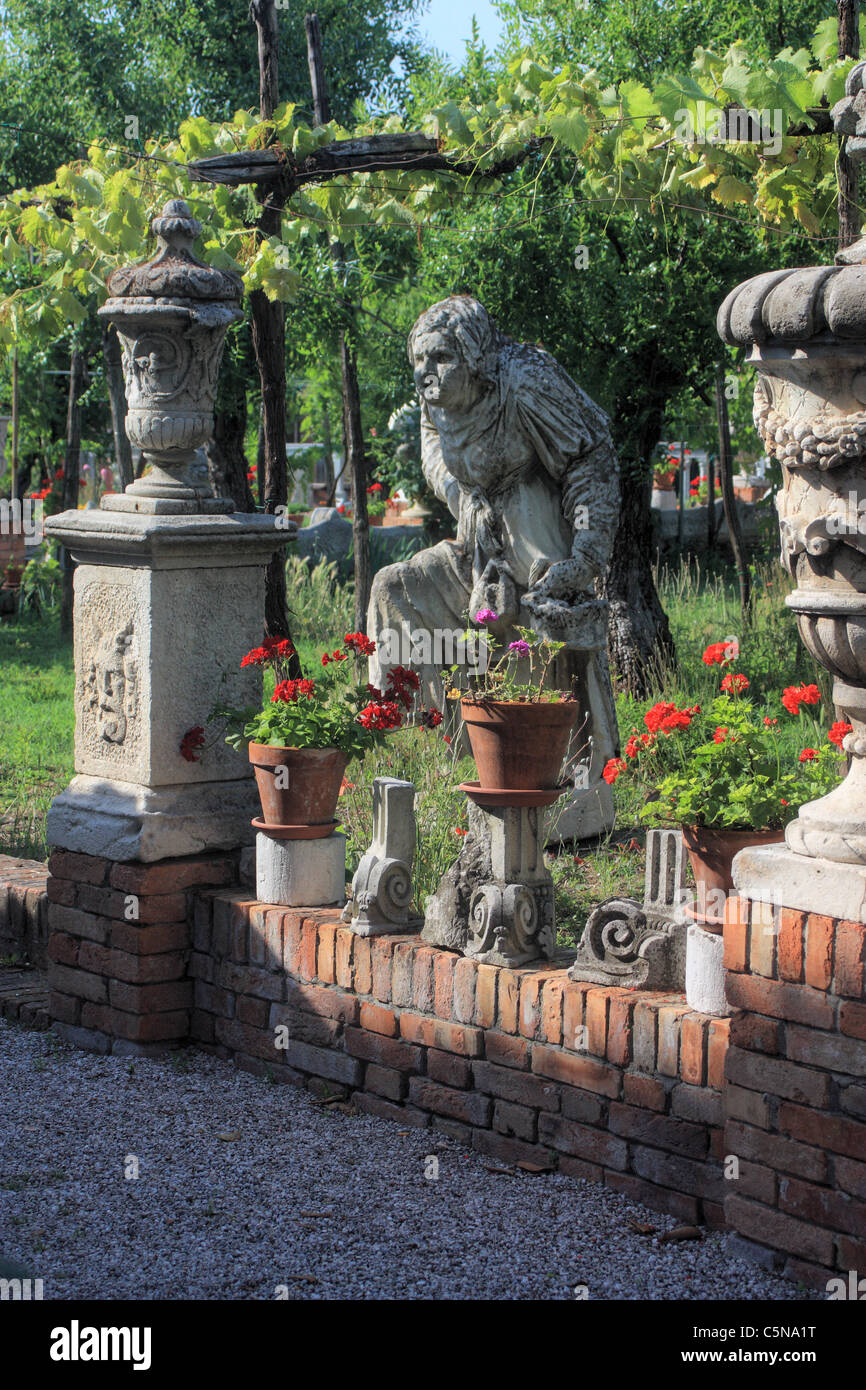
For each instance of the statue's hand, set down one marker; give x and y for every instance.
(562, 580)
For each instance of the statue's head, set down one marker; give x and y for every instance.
(453, 349)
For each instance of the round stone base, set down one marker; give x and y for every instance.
(301, 873)
(705, 972)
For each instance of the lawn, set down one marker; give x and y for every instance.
(36, 725)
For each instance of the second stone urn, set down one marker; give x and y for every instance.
(805, 331)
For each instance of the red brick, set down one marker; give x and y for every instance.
(576, 1071)
(752, 1107)
(852, 1019)
(79, 983)
(756, 1034)
(510, 1052)
(326, 960)
(551, 1009)
(386, 1082)
(443, 984)
(385, 1052)
(292, 923)
(404, 1115)
(508, 1150)
(150, 999)
(756, 1180)
(792, 932)
(307, 952)
(449, 1069)
(736, 933)
(64, 948)
(485, 996)
(762, 940)
(377, 1019)
(343, 958)
(82, 868)
(850, 1176)
(573, 1010)
(718, 1035)
(829, 1131)
(819, 951)
(619, 1027)
(253, 1011)
(597, 1006)
(780, 1000)
(77, 923)
(779, 1077)
(62, 890)
(363, 982)
(776, 1152)
(161, 1027)
(464, 990)
(829, 1050)
(401, 973)
(149, 940)
(448, 1037)
(467, 1106)
(676, 1171)
(669, 1038)
(210, 999)
(582, 1141)
(662, 1131)
(851, 1254)
(423, 987)
(579, 1168)
(529, 1011)
(822, 1206)
(649, 1194)
(693, 1048)
(645, 1091)
(64, 1007)
(110, 902)
(172, 875)
(507, 1005)
(382, 954)
(760, 1223)
(517, 1121)
(520, 1087)
(850, 979)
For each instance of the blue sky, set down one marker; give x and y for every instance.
(447, 24)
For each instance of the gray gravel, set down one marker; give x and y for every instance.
(327, 1204)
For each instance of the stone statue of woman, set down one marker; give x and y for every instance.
(524, 461)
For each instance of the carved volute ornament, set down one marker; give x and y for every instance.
(805, 331)
(171, 315)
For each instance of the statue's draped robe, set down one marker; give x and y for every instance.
(531, 476)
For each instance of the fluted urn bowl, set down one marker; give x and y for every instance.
(805, 331)
(171, 315)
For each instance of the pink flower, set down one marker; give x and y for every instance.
(485, 615)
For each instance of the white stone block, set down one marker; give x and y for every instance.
(776, 874)
(705, 972)
(301, 873)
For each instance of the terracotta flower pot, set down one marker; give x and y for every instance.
(517, 745)
(306, 803)
(711, 854)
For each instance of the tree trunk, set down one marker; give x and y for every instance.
(640, 643)
(71, 463)
(848, 170)
(353, 444)
(330, 481)
(227, 462)
(729, 501)
(117, 399)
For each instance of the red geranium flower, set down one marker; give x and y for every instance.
(734, 682)
(612, 769)
(192, 739)
(838, 732)
(386, 715)
(431, 718)
(807, 755)
(717, 653)
(359, 642)
(721, 734)
(796, 695)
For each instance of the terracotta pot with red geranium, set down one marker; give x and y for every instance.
(721, 774)
(300, 742)
(518, 728)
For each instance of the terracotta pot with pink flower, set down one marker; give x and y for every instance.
(721, 773)
(308, 728)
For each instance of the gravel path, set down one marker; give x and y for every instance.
(328, 1204)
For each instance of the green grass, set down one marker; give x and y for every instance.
(36, 725)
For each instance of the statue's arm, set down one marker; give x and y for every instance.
(443, 484)
(591, 505)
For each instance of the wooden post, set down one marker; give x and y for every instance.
(14, 464)
(848, 169)
(71, 461)
(729, 501)
(353, 432)
(683, 496)
(711, 501)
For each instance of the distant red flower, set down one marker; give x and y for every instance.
(838, 732)
(734, 682)
(459, 831)
(359, 642)
(612, 769)
(386, 715)
(770, 722)
(721, 734)
(796, 695)
(431, 718)
(717, 653)
(375, 487)
(192, 739)
(808, 754)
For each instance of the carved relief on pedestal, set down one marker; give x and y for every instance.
(107, 679)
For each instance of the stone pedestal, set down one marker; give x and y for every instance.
(496, 902)
(301, 873)
(705, 972)
(165, 606)
(382, 886)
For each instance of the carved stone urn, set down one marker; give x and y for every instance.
(806, 334)
(171, 315)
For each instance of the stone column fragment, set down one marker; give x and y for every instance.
(382, 887)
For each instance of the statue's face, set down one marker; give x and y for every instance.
(442, 377)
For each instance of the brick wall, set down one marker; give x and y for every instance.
(524, 1065)
(796, 1088)
(119, 948)
(23, 910)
